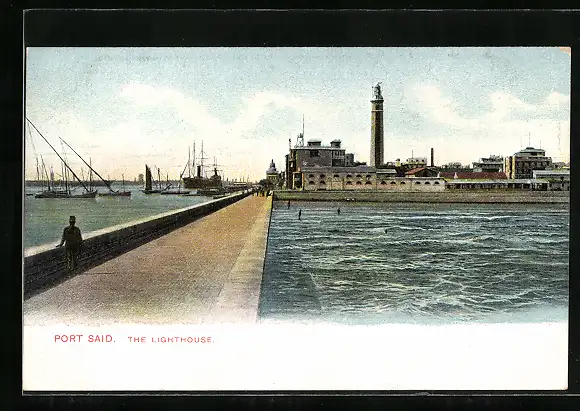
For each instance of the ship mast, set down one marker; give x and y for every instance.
(88, 165)
(53, 149)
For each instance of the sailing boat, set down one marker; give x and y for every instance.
(111, 192)
(66, 193)
(117, 193)
(178, 191)
(149, 182)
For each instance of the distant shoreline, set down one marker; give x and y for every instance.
(455, 196)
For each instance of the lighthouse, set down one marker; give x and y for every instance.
(377, 132)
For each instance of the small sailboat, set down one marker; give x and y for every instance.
(117, 193)
(149, 182)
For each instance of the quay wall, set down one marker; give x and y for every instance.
(449, 196)
(45, 264)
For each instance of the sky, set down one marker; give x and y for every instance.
(123, 108)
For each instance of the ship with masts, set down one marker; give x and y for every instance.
(200, 181)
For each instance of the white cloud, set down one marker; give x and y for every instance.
(225, 139)
(509, 125)
(430, 101)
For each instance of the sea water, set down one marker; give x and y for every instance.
(416, 263)
(45, 218)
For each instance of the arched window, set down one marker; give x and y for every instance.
(436, 183)
(349, 176)
(393, 183)
(322, 182)
(310, 175)
(311, 182)
(322, 176)
(348, 183)
(383, 183)
(368, 183)
(358, 183)
(358, 176)
(369, 176)
(403, 183)
(426, 182)
(336, 176)
(417, 182)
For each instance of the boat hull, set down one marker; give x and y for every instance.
(177, 192)
(63, 194)
(116, 194)
(201, 182)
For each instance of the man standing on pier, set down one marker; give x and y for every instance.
(73, 242)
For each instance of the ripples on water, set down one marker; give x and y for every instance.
(421, 263)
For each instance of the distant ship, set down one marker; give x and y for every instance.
(199, 181)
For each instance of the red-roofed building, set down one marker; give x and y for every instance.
(421, 172)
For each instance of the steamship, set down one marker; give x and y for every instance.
(203, 183)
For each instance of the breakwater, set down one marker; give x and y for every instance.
(44, 265)
(448, 196)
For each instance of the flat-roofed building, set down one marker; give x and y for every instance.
(490, 164)
(365, 178)
(558, 179)
(522, 164)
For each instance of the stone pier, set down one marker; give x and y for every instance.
(208, 271)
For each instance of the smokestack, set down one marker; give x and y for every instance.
(432, 157)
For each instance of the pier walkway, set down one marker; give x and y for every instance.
(207, 271)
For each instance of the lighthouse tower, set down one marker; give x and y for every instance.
(377, 136)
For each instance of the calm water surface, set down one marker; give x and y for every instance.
(45, 218)
(418, 263)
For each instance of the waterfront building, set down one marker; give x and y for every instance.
(558, 179)
(365, 178)
(490, 180)
(272, 173)
(314, 154)
(140, 179)
(314, 167)
(492, 163)
(522, 164)
(519, 184)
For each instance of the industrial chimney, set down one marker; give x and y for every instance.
(432, 157)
